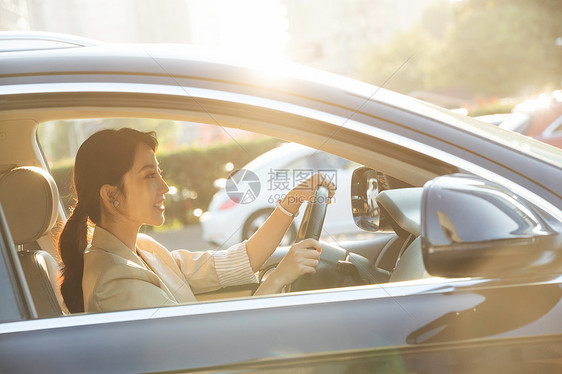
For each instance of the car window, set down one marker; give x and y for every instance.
(202, 214)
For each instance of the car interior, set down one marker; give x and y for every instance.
(393, 255)
(32, 205)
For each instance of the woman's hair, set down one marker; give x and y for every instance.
(102, 159)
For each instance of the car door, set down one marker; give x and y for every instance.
(447, 325)
(345, 336)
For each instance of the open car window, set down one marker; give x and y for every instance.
(201, 213)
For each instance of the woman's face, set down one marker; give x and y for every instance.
(143, 202)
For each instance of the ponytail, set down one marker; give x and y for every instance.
(73, 241)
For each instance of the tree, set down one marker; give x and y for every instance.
(500, 47)
(475, 47)
(398, 65)
(401, 63)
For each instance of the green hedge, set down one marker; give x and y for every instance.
(191, 170)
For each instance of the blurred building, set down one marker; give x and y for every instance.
(329, 34)
(14, 15)
(106, 20)
(254, 29)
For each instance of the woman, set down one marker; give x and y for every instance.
(119, 187)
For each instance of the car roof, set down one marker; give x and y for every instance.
(287, 82)
(14, 41)
(50, 82)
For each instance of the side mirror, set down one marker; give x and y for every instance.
(474, 227)
(364, 190)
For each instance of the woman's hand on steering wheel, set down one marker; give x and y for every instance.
(305, 191)
(301, 259)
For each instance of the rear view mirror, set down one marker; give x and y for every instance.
(474, 227)
(364, 190)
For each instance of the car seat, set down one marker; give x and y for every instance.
(30, 200)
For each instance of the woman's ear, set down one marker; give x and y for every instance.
(108, 195)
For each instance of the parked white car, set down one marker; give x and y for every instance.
(233, 217)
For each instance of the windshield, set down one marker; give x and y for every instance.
(524, 144)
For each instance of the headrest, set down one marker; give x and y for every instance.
(402, 207)
(29, 198)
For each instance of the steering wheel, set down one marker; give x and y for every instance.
(313, 218)
(311, 227)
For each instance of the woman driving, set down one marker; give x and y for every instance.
(119, 188)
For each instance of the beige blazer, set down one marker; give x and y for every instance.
(116, 278)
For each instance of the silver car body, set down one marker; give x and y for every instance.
(374, 327)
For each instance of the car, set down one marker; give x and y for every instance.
(461, 272)
(287, 165)
(494, 119)
(540, 118)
